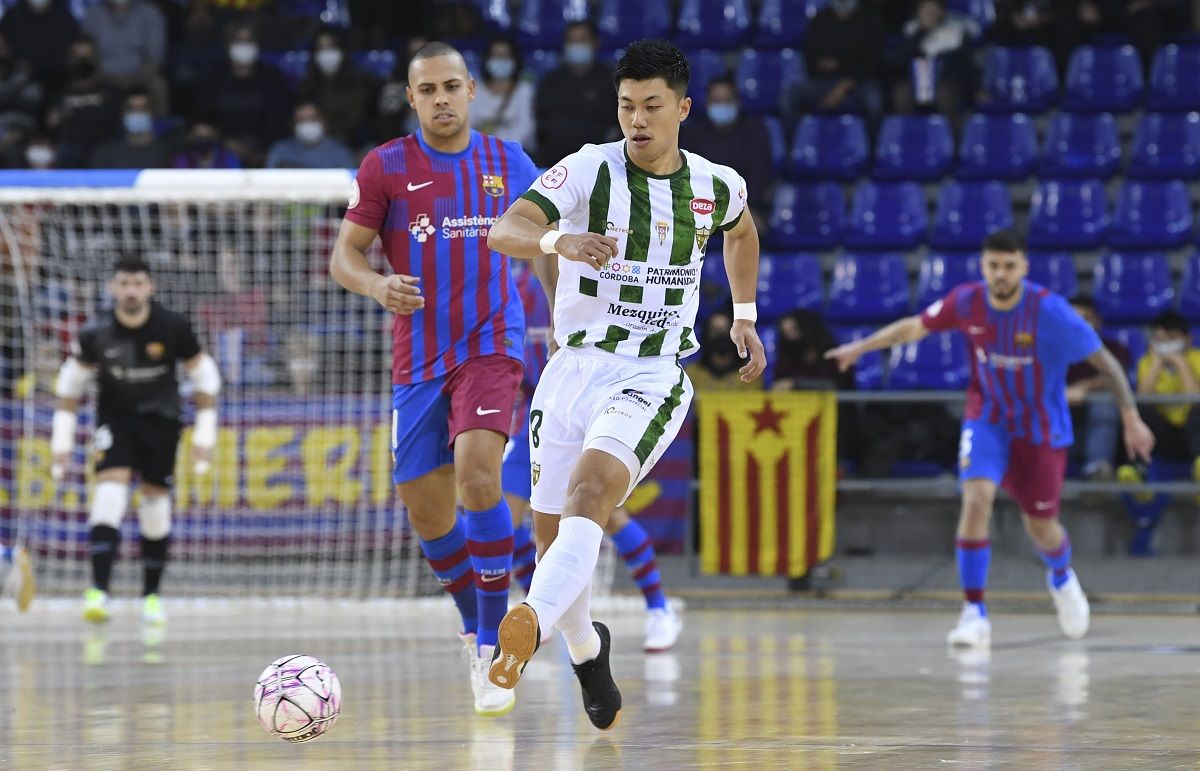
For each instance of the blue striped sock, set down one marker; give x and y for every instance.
(452, 565)
(524, 555)
(974, 558)
(490, 543)
(1058, 561)
(635, 548)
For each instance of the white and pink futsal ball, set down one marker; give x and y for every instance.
(297, 698)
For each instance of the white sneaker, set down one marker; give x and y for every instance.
(490, 700)
(1074, 613)
(662, 629)
(974, 630)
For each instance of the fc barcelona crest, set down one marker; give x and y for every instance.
(702, 234)
(493, 185)
(1023, 339)
(535, 471)
(155, 351)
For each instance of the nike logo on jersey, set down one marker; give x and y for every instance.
(488, 579)
(976, 330)
(1043, 505)
(481, 411)
(412, 187)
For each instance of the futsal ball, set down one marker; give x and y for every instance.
(297, 698)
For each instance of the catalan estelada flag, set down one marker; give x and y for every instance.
(768, 477)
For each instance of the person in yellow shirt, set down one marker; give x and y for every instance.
(1172, 366)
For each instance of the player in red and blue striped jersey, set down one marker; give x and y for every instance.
(431, 198)
(1017, 425)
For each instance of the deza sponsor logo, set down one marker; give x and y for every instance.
(703, 206)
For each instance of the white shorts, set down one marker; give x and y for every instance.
(591, 399)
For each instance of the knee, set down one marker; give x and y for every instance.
(1043, 532)
(976, 508)
(478, 489)
(109, 501)
(154, 517)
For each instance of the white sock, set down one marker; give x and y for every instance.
(565, 570)
(583, 643)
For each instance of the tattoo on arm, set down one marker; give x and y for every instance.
(1115, 373)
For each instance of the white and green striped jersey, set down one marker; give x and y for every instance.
(644, 302)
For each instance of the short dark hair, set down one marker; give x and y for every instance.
(1085, 301)
(130, 263)
(1007, 241)
(724, 79)
(589, 26)
(1170, 321)
(432, 50)
(517, 57)
(649, 59)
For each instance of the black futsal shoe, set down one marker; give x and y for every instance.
(601, 697)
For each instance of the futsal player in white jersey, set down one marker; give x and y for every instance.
(634, 220)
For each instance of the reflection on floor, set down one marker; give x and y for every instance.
(758, 689)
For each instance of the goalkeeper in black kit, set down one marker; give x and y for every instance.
(132, 352)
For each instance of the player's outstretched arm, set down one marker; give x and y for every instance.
(206, 381)
(906, 330)
(73, 378)
(348, 265)
(741, 266)
(1139, 439)
(523, 233)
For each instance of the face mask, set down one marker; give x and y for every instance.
(83, 68)
(309, 131)
(844, 6)
(328, 60)
(1169, 348)
(723, 113)
(578, 54)
(138, 123)
(39, 5)
(501, 69)
(243, 53)
(39, 156)
(203, 145)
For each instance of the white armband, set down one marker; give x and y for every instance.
(62, 432)
(205, 377)
(73, 377)
(547, 242)
(745, 312)
(204, 433)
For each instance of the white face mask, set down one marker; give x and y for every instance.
(310, 131)
(1169, 347)
(243, 53)
(328, 60)
(39, 5)
(39, 156)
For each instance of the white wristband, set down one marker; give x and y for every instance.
(546, 244)
(62, 432)
(204, 433)
(745, 312)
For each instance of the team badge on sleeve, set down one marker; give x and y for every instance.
(354, 195)
(555, 177)
(493, 185)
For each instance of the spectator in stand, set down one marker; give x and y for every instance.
(248, 100)
(589, 115)
(140, 148)
(20, 94)
(41, 32)
(716, 368)
(843, 54)
(391, 116)
(310, 147)
(340, 90)
(503, 102)
(131, 39)
(935, 62)
(1097, 423)
(1025, 23)
(87, 112)
(726, 135)
(203, 150)
(39, 154)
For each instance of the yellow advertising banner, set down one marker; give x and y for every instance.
(768, 479)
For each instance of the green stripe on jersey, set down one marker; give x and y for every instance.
(545, 204)
(721, 199)
(631, 293)
(614, 336)
(598, 202)
(674, 297)
(637, 245)
(652, 345)
(658, 425)
(684, 232)
(575, 339)
(685, 340)
(588, 286)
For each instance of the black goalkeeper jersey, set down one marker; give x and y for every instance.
(136, 367)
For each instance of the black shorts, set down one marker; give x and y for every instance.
(144, 443)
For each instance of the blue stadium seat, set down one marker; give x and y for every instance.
(1189, 288)
(1132, 286)
(807, 216)
(541, 23)
(1068, 214)
(777, 139)
(763, 75)
(913, 147)
(1173, 82)
(1019, 80)
(997, 147)
(620, 22)
(539, 61)
(938, 362)
(1151, 214)
(968, 211)
(293, 64)
(787, 282)
(1080, 145)
(714, 284)
(1166, 146)
(379, 63)
(706, 65)
(868, 373)
(982, 12)
(1103, 78)
(723, 24)
(868, 287)
(474, 64)
(941, 272)
(887, 215)
(769, 336)
(829, 147)
(495, 13)
(1055, 271)
(784, 23)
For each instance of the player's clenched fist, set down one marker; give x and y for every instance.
(399, 294)
(593, 249)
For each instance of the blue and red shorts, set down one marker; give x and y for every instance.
(1031, 473)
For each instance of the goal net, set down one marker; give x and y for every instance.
(300, 500)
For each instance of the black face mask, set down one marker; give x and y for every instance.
(721, 356)
(83, 68)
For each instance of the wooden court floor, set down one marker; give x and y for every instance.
(744, 689)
